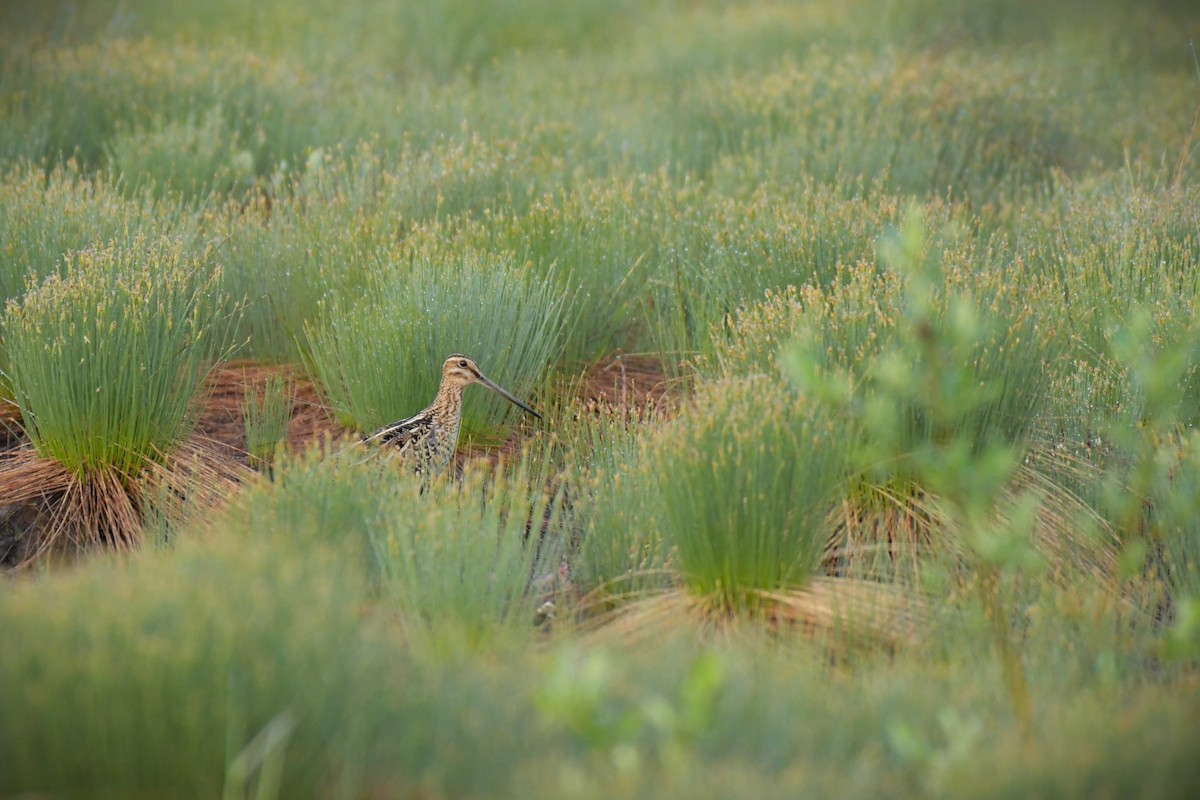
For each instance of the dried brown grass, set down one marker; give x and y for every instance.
(628, 382)
(877, 615)
(70, 514)
(893, 534)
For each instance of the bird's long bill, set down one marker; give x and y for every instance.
(507, 395)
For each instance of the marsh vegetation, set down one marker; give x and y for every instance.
(867, 339)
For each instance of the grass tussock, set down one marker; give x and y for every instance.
(472, 564)
(134, 318)
(105, 362)
(735, 489)
(46, 215)
(155, 668)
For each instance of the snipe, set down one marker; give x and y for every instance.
(428, 438)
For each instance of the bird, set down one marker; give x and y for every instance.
(428, 439)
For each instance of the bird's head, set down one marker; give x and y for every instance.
(462, 371)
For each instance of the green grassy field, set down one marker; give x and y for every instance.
(914, 510)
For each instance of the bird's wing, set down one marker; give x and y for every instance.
(399, 434)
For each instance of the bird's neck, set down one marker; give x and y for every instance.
(448, 402)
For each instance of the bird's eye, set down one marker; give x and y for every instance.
(462, 363)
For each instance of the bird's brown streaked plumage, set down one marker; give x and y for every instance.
(429, 438)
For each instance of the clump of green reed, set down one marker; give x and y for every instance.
(106, 359)
(379, 359)
(726, 252)
(743, 480)
(1115, 249)
(266, 412)
(470, 174)
(470, 562)
(106, 362)
(321, 501)
(458, 562)
(620, 551)
(318, 232)
(848, 322)
(322, 230)
(46, 214)
(737, 486)
(597, 242)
